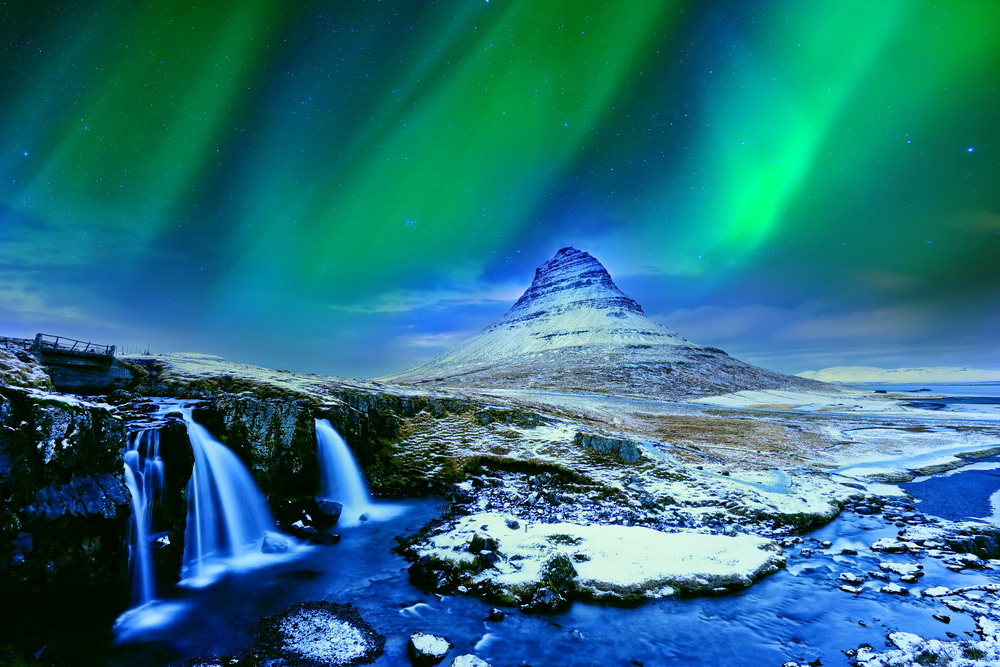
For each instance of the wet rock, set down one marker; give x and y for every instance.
(851, 578)
(856, 590)
(874, 574)
(426, 649)
(512, 524)
(848, 552)
(319, 633)
(902, 569)
(545, 600)
(936, 592)
(325, 539)
(942, 618)
(894, 589)
(429, 573)
(889, 545)
(273, 543)
(328, 512)
(468, 661)
(496, 615)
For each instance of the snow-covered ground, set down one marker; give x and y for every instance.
(872, 375)
(610, 561)
(845, 400)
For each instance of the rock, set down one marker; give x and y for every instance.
(626, 450)
(894, 589)
(329, 510)
(848, 552)
(512, 524)
(889, 545)
(902, 569)
(879, 575)
(273, 543)
(851, 578)
(936, 592)
(545, 600)
(496, 615)
(856, 590)
(427, 649)
(324, 538)
(479, 544)
(468, 661)
(806, 553)
(942, 618)
(319, 633)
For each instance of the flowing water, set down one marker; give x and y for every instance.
(227, 517)
(144, 478)
(796, 614)
(341, 479)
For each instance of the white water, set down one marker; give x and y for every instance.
(228, 518)
(144, 479)
(341, 480)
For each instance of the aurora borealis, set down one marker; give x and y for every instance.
(351, 187)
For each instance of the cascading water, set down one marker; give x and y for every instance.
(228, 517)
(341, 479)
(144, 479)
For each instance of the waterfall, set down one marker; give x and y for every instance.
(144, 479)
(228, 519)
(341, 479)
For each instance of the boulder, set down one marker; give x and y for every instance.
(468, 661)
(426, 649)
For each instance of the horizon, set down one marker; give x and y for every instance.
(351, 191)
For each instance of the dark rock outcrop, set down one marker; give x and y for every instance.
(626, 450)
(64, 513)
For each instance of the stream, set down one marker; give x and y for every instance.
(796, 614)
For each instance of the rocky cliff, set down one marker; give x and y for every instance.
(65, 514)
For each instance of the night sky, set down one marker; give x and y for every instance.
(352, 187)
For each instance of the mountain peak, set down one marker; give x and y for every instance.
(574, 330)
(572, 279)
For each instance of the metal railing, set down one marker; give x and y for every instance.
(64, 344)
(10, 343)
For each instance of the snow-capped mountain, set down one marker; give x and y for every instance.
(573, 329)
(872, 374)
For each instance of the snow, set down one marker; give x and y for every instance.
(872, 374)
(617, 559)
(429, 644)
(17, 373)
(318, 634)
(840, 400)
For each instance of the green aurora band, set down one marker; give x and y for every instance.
(285, 169)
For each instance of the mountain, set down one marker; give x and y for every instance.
(872, 374)
(574, 330)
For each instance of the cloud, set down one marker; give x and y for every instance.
(815, 334)
(402, 301)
